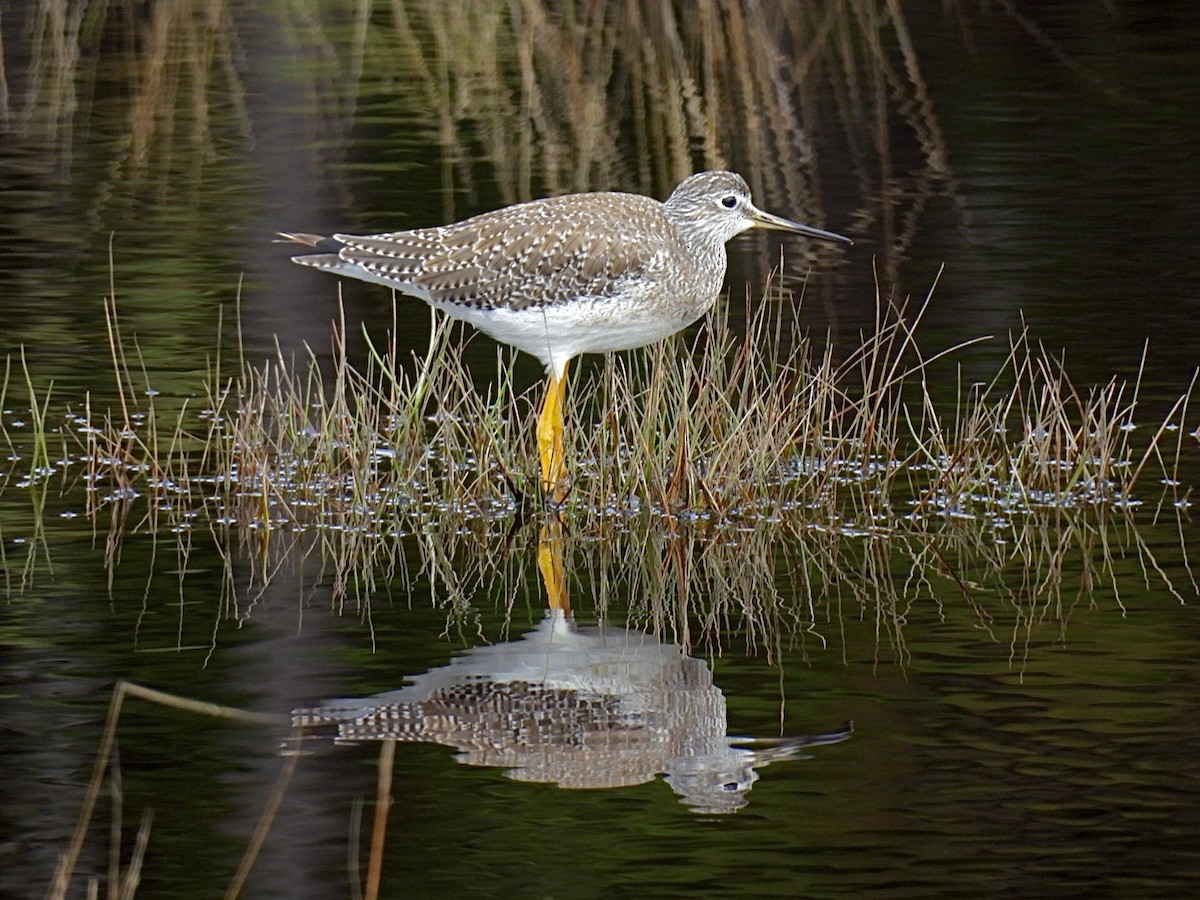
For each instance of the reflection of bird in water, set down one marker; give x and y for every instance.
(590, 707)
(581, 273)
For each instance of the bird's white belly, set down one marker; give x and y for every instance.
(554, 334)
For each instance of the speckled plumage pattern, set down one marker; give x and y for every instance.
(586, 707)
(581, 273)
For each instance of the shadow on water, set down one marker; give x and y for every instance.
(580, 707)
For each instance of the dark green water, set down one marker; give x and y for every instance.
(1025, 714)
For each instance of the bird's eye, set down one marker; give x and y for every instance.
(729, 202)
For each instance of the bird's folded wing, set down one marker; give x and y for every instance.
(490, 262)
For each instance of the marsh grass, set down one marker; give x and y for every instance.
(722, 465)
(723, 426)
(743, 478)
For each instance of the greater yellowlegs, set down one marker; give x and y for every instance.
(580, 273)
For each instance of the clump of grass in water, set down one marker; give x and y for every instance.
(704, 468)
(723, 428)
(759, 423)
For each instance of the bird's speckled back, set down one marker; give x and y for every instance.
(530, 255)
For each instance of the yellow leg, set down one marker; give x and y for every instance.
(550, 439)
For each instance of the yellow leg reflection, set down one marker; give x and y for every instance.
(550, 565)
(550, 439)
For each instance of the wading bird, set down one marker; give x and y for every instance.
(580, 273)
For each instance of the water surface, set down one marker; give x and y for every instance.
(1023, 700)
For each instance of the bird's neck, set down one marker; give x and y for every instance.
(709, 260)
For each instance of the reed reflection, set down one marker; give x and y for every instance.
(577, 706)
